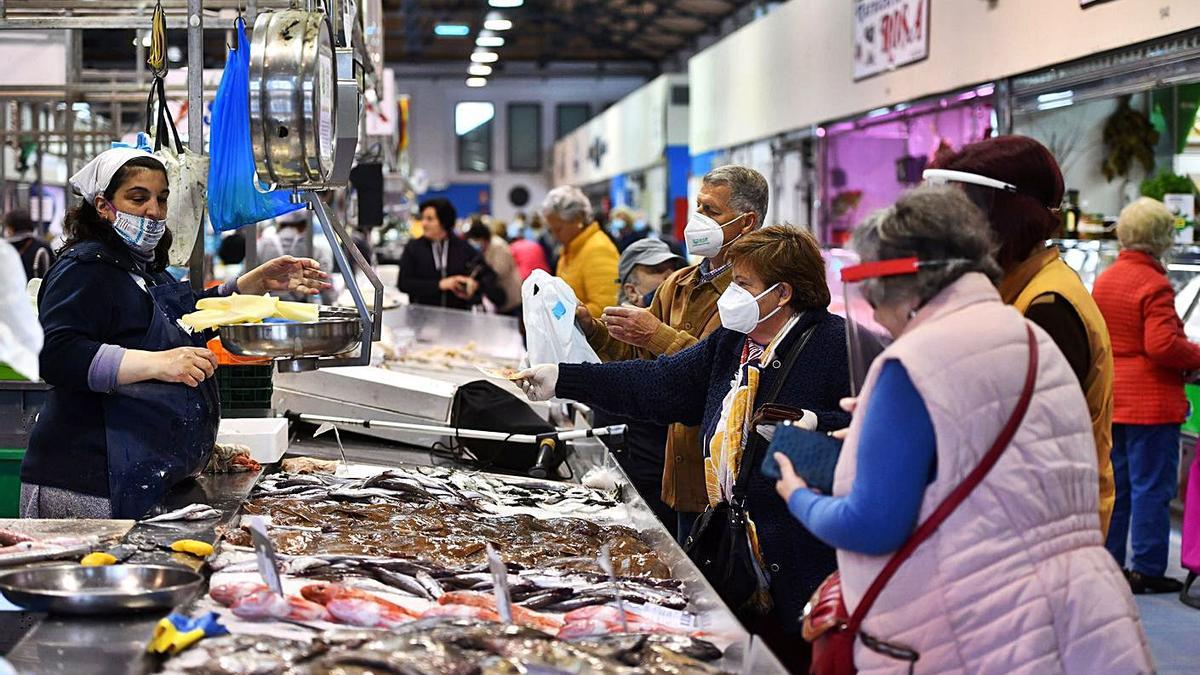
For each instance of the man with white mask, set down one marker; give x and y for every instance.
(732, 202)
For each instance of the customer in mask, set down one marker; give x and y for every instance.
(1152, 354)
(36, 255)
(732, 202)
(641, 270)
(589, 259)
(498, 256)
(1015, 580)
(776, 335)
(1016, 182)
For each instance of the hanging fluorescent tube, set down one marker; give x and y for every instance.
(489, 41)
(479, 70)
(451, 30)
(497, 22)
(480, 56)
(476, 81)
(506, 4)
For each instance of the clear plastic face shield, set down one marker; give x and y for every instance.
(866, 337)
(981, 190)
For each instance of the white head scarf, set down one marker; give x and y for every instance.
(93, 179)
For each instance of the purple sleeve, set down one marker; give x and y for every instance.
(228, 288)
(102, 374)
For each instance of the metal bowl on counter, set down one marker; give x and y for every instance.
(326, 337)
(75, 589)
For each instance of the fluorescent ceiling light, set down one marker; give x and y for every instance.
(452, 30)
(476, 81)
(484, 57)
(479, 70)
(469, 115)
(879, 112)
(497, 23)
(506, 4)
(1056, 96)
(1056, 104)
(489, 41)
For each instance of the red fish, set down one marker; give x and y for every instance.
(522, 616)
(461, 612)
(228, 594)
(366, 613)
(266, 605)
(324, 594)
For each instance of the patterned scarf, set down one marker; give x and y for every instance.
(733, 430)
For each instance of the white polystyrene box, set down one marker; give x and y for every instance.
(267, 437)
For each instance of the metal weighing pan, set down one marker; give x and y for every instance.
(326, 337)
(75, 589)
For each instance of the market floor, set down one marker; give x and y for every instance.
(1172, 626)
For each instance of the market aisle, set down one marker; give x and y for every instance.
(1172, 626)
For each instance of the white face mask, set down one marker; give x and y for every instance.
(139, 232)
(739, 309)
(704, 236)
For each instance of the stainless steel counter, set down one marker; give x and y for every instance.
(37, 643)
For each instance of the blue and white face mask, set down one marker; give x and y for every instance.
(140, 233)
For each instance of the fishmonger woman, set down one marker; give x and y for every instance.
(134, 409)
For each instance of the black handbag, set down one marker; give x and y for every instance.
(719, 543)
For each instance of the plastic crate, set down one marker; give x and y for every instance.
(8, 374)
(1192, 424)
(10, 481)
(245, 390)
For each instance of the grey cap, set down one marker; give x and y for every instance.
(648, 252)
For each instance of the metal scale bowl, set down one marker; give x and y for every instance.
(305, 110)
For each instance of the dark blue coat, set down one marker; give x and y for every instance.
(85, 301)
(688, 388)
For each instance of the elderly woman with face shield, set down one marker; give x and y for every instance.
(134, 409)
(1016, 182)
(1015, 578)
(779, 354)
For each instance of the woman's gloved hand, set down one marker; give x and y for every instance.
(539, 382)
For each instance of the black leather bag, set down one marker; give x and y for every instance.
(719, 543)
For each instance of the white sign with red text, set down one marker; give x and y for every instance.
(889, 34)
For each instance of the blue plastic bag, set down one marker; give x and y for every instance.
(234, 200)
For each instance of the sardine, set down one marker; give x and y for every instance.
(431, 586)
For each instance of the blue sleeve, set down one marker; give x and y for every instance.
(668, 390)
(896, 460)
(76, 311)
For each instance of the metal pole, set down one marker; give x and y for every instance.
(36, 113)
(74, 58)
(4, 112)
(251, 260)
(195, 22)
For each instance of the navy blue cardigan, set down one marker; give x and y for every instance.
(84, 302)
(688, 388)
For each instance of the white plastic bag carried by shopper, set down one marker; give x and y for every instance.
(20, 332)
(551, 333)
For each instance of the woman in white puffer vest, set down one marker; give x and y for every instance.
(1016, 579)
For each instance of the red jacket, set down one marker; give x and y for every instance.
(1150, 350)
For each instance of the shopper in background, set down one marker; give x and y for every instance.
(627, 228)
(773, 312)
(641, 270)
(1036, 281)
(498, 256)
(589, 259)
(537, 232)
(732, 202)
(21, 232)
(438, 268)
(517, 228)
(1151, 353)
(289, 237)
(529, 256)
(1016, 579)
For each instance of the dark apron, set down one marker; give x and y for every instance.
(158, 433)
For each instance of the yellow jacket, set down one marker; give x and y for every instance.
(1045, 273)
(589, 266)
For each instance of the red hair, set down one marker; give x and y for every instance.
(1021, 221)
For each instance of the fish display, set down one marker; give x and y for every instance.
(448, 647)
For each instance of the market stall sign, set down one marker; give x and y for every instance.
(889, 34)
